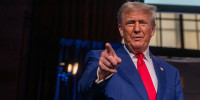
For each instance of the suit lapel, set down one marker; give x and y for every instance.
(129, 71)
(160, 72)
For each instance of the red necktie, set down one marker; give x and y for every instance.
(144, 73)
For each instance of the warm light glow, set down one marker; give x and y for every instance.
(69, 68)
(62, 64)
(75, 68)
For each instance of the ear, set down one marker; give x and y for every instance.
(152, 31)
(121, 30)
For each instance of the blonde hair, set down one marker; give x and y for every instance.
(131, 6)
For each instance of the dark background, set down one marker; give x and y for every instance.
(30, 33)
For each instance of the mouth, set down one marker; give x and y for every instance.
(137, 38)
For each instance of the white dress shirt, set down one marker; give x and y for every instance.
(148, 62)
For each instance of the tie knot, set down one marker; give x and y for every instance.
(140, 55)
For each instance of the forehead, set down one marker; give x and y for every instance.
(137, 14)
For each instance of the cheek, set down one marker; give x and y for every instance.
(127, 36)
(126, 33)
(148, 34)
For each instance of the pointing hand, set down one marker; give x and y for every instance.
(108, 62)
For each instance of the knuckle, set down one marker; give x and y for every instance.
(100, 59)
(115, 64)
(103, 53)
(110, 65)
(100, 64)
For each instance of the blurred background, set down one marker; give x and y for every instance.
(43, 44)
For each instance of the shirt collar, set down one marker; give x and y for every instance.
(146, 53)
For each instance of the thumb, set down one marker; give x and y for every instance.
(118, 60)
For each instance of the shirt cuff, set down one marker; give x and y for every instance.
(97, 81)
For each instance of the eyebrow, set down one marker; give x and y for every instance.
(131, 20)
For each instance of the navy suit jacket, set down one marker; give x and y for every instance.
(127, 84)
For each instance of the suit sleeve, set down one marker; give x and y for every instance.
(179, 91)
(87, 86)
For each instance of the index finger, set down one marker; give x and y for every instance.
(110, 50)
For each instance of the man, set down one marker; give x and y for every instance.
(131, 72)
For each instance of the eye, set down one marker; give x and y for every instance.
(143, 23)
(130, 23)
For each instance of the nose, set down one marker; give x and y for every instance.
(137, 28)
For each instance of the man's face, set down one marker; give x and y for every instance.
(137, 30)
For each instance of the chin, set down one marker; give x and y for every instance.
(137, 45)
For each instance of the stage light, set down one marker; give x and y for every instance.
(69, 68)
(62, 64)
(75, 68)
